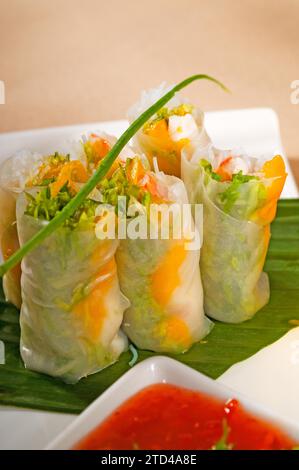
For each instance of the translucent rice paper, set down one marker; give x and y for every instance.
(165, 149)
(161, 278)
(88, 145)
(13, 174)
(234, 247)
(72, 307)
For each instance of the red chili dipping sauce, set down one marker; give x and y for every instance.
(166, 417)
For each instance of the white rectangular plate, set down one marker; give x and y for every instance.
(254, 130)
(159, 370)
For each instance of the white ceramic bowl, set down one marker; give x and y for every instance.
(151, 371)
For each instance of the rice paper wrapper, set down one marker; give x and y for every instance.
(9, 244)
(72, 307)
(163, 148)
(161, 278)
(13, 173)
(234, 249)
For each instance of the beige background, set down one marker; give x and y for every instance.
(73, 61)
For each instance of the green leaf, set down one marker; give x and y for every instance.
(226, 345)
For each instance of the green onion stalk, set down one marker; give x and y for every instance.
(102, 170)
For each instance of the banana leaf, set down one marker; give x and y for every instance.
(226, 344)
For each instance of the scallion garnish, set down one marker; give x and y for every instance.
(222, 444)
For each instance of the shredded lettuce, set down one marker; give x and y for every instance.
(231, 194)
(146, 200)
(89, 152)
(118, 185)
(58, 158)
(209, 170)
(43, 206)
(52, 162)
(91, 155)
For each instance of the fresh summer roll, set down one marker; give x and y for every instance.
(72, 307)
(95, 147)
(157, 273)
(13, 174)
(26, 169)
(239, 196)
(172, 128)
